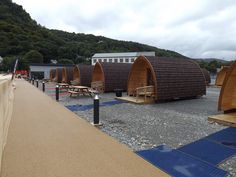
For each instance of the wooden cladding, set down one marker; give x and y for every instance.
(221, 76)
(58, 76)
(172, 78)
(52, 74)
(206, 76)
(227, 99)
(113, 75)
(83, 73)
(67, 74)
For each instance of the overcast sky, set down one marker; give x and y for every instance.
(195, 28)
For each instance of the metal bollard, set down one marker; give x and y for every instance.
(33, 81)
(57, 92)
(96, 110)
(43, 86)
(37, 83)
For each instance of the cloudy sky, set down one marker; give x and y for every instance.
(195, 28)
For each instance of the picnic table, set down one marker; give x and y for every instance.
(78, 90)
(63, 85)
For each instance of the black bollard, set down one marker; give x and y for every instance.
(33, 81)
(43, 85)
(96, 110)
(57, 92)
(37, 83)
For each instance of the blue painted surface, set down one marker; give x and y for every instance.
(208, 151)
(179, 164)
(90, 106)
(226, 137)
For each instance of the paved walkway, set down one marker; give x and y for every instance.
(47, 140)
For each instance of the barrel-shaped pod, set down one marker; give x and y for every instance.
(172, 78)
(113, 75)
(227, 98)
(58, 77)
(206, 75)
(221, 76)
(83, 74)
(67, 74)
(52, 74)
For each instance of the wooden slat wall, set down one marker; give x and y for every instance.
(67, 74)
(58, 75)
(175, 78)
(52, 74)
(221, 76)
(227, 99)
(115, 75)
(84, 74)
(206, 75)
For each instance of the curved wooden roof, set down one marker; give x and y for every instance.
(114, 75)
(173, 78)
(221, 76)
(227, 98)
(83, 73)
(206, 75)
(67, 74)
(52, 74)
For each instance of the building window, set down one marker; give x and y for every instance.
(132, 60)
(110, 60)
(95, 60)
(105, 60)
(126, 60)
(116, 60)
(100, 60)
(121, 60)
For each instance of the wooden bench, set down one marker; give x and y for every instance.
(98, 86)
(146, 91)
(72, 92)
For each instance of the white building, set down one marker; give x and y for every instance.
(125, 57)
(42, 71)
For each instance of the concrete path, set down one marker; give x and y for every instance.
(47, 140)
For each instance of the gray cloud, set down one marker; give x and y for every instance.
(195, 28)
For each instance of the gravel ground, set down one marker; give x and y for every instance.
(144, 126)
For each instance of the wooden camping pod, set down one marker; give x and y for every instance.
(83, 74)
(227, 98)
(52, 74)
(112, 75)
(58, 76)
(206, 76)
(67, 74)
(221, 76)
(172, 78)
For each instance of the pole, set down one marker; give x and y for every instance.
(43, 85)
(37, 83)
(57, 92)
(96, 110)
(33, 81)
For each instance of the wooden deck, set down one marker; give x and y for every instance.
(224, 119)
(140, 100)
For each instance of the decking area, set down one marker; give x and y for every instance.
(45, 139)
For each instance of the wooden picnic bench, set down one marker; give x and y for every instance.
(78, 90)
(98, 86)
(146, 91)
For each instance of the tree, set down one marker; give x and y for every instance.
(65, 61)
(33, 56)
(8, 63)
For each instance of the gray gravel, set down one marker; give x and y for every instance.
(144, 126)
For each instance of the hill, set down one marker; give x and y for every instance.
(20, 34)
